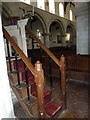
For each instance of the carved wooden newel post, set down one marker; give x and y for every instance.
(63, 78)
(39, 79)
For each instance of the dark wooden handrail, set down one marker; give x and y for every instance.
(19, 51)
(44, 47)
(60, 63)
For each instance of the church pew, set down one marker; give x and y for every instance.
(77, 68)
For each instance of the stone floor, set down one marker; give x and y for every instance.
(77, 101)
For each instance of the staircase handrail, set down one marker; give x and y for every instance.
(60, 63)
(19, 51)
(40, 87)
(44, 47)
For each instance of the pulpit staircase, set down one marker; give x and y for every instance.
(28, 82)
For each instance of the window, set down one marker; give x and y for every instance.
(25, 1)
(67, 37)
(51, 6)
(40, 4)
(61, 10)
(71, 15)
(38, 34)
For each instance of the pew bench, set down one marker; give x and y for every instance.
(78, 68)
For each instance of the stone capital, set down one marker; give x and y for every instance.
(22, 22)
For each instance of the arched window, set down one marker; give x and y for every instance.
(40, 4)
(26, 1)
(51, 6)
(71, 15)
(61, 10)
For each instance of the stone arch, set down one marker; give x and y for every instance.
(38, 27)
(59, 22)
(71, 30)
(57, 33)
(72, 26)
(40, 17)
(70, 6)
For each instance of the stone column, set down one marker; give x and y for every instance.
(81, 12)
(63, 40)
(21, 26)
(47, 40)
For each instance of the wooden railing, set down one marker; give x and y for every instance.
(37, 70)
(44, 47)
(60, 63)
(19, 51)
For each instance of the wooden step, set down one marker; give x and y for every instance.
(14, 78)
(52, 108)
(21, 101)
(22, 90)
(8, 66)
(47, 93)
(47, 96)
(31, 105)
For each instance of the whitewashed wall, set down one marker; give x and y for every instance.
(46, 18)
(14, 31)
(6, 107)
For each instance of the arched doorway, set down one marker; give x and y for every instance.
(70, 39)
(56, 34)
(38, 28)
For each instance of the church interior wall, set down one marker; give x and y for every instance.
(46, 18)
